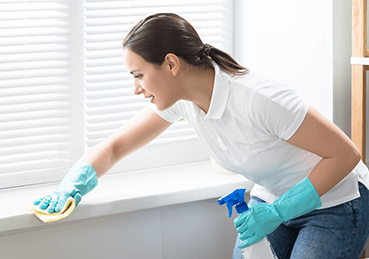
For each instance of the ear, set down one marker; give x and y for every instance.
(173, 63)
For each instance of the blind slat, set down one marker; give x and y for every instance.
(33, 90)
(36, 148)
(33, 49)
(34, 82)
(32, 165)
(41, 39)
(34, 57)
(38, 98)
(34, 65)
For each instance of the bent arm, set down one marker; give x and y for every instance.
(321, 137)
(136, 133)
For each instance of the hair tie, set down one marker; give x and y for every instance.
(205, 52)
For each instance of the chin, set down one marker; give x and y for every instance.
(162, 107)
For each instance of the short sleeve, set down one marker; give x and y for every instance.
(278, 110)
(172, 114)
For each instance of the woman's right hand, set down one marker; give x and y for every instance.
(79, 181)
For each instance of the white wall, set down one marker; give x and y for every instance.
(342, 27)
(305, 44)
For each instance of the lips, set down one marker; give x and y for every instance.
(149, 97)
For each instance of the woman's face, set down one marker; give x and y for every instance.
(155, 82)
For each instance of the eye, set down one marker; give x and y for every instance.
(138, 76)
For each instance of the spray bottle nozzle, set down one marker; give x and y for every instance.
(236, 198)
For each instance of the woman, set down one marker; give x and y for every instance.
(311, 192)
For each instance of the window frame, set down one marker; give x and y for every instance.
(165, 154)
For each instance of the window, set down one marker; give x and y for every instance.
(64, 87)
(35, 98)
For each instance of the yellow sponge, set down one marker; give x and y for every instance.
(46, 217)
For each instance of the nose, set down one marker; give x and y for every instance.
(137, 89)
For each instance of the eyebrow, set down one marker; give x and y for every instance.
(134, 70)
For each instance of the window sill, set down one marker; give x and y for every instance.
(123, 193)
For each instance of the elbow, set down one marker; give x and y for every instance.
(347, 159)
(357, 155)
(352, 158)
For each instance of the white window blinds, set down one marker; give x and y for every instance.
(110, 101)
(34, 91)
(64, 88)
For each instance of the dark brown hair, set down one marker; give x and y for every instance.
(159, 34)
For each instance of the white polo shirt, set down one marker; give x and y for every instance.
(245, 131)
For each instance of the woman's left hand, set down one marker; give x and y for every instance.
(262, 219)
(253, 225)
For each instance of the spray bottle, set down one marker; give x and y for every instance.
(260, 250)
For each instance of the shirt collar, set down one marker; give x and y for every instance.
(220, 94)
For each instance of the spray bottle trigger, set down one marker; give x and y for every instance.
(229, 206)
(235, 198)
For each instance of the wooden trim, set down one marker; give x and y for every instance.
(359, 48)
(358, 119)
(358, 86)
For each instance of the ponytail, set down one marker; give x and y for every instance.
(157, 35)
(223, 60)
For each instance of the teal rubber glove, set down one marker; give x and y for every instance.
(79, 181)
(262, 219)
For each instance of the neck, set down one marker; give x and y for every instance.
(198, 85)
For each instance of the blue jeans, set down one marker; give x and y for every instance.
(339, 232)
